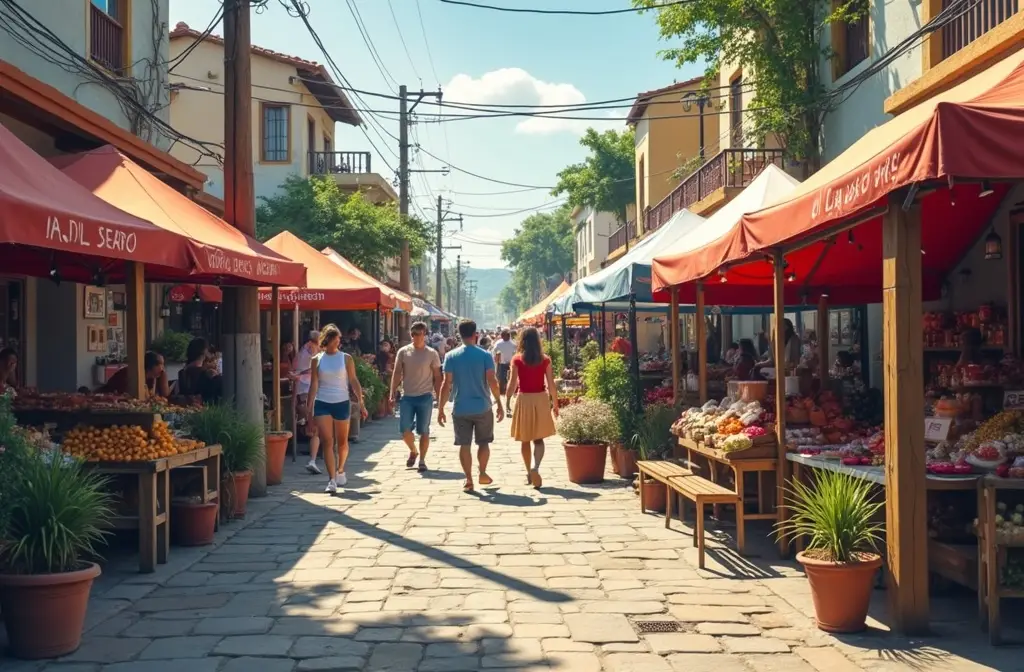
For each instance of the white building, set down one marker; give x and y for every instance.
(592, 232)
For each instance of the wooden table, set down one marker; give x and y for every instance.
(992, 555)
(153, 518)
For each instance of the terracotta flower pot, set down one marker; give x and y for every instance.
(586, 462)
(613, 452)
(277, 447)
(655, 497)
(240, 481)
(841, 591)
(193, 524)
(625, 463)
(45, 613)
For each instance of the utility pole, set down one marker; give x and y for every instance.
(243, 368)
(441, 219)
(470, 296)
(458, 285)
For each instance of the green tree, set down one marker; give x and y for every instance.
(541, 247)
(777, 42)
(606, 179)
(320, 213)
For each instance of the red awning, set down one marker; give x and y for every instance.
(399, 299)
(219, 251)
(965, 133)
(48, 220)
(186, 293)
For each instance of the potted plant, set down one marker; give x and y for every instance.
(55, 515)
(241, 444)
(652, 440)
(586, 428)
(838, 518)
(193, 521)
(276, 442)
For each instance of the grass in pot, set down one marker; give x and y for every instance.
(586, 428)
(838, 518)
(652, 440)
(242, 450)
(55, 513)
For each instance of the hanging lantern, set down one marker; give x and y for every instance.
(993, 246)
(165, 311)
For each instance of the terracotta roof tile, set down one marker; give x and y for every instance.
(643, 99)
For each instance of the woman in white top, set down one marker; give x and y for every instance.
(330, 375)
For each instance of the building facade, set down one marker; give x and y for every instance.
(593, 230)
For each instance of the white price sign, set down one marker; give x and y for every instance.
(937, 429)
(1013, 401)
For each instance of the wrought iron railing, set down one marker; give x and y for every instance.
(622, 235)
(106, 39)
(327, 163)
(728, 168)
(972, 20)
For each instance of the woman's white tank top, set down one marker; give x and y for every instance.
(332, 378)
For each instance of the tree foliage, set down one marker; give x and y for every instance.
(319, 212)
(606, 179)
(540, 248)
(777, 42)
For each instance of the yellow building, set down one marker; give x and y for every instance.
(295, 107)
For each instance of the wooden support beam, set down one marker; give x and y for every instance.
(824, 340)
(295, 395)
(275, 346)
(778, 344)
(1011, 252)
(905, 494)
(673, 340)
(135, 329)
(700, 322)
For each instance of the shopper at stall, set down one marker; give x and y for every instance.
(970, 348)
(504, 351)
(537, 401)
(8, 369)
(793, 349)
(287, 358)
(156, 378)
(332, 373)
(351, 345)
(745, 365)
(418, 374)
(198, 378)
(385, 360)
(732, 353)
(303, 364)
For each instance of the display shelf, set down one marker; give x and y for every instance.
(955, 562)
(877, 474)
(992, 556)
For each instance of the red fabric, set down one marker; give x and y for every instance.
(967, 132)
(396, 298)
(186, 293)
(531, 378)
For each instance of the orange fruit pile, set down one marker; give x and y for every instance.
(125, 443)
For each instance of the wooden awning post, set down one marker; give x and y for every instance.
(275, 347)
(295, 396)
(604, 326)
(701, 334)
(634, 355)
(565, 347)
(905, 494)
(779, 356)
(673, 341)
(824, 341)
(135, 329)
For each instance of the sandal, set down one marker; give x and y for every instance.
(423, 467)
(467, 486)
(535, 480)
(411, 462)
(485, 479)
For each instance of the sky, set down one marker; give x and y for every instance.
(479, 56)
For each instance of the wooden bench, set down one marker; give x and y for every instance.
(660, 471)
(701, 492)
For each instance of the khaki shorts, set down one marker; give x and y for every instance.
(480, 424)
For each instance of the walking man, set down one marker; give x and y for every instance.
(469, 379)
(303, 364)
(504, 351)
(418, 371)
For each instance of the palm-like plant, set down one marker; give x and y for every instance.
(241, 441)
(837, 516)
(653, 433)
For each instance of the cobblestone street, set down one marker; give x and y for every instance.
(405, 572)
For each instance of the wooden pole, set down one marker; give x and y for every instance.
(243, 366)
(135, 329)
(604, 326)
(1011, 250)
(905, 495)
(778, 345)
(565, 345)
(701, 334)
(673, 341)
(275, 347)
(295, 396)
(634, 357)
(824, 341)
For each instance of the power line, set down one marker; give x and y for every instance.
(401, 38)
(569, 12)
(364, 33)
(426, 42)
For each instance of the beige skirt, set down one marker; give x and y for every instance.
(531, 417)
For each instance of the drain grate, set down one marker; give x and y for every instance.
(657, 626)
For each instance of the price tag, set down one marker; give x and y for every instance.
(937, 429)
(1013, 401)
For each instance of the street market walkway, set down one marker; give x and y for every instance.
(405, 572)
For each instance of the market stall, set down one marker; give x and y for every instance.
(534, 315)
(908, 195)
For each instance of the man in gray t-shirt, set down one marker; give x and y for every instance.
(418, 371)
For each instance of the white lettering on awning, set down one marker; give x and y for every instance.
(73, 232)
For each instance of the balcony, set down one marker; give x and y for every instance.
(352, 172)
(729, 169)
(971, 24)
(621, 236)
(106, 40)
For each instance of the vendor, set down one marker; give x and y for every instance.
(156, 378)
(792, 348)
(844, 367)
(287, 358)
(8, 369)
(733, 352)
(198, 379)
(745, 363)
(970, 348)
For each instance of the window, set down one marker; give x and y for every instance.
(641, 177)
(973, 22)
(275, 142)
(108, 33)
(849, 42)
(736, 111)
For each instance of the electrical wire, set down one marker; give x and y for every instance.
(374, 55)
(180, 58)
(569, 12)
(401, 38)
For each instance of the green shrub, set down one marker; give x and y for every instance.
(590, 351)
(607, 379)
(172, 345)
(373, 387)
(14, 452)
(241, 441)
(588, 421)
(652, 434)
(553, 349)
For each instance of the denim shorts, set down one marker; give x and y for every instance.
(341, 410)
(415, 412)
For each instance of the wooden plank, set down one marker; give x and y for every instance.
(147, 523)
(905, 494)
(702, 344)
(275, 347)
(779, 355)
(135, 328)
(673, 340)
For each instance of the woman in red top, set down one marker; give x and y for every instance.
(537, 403)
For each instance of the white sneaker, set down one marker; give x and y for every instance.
(331, 488)
(312, 468)
(341, 480)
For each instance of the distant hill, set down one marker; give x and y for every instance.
(489, 282)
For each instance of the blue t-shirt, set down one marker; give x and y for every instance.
(469, 365)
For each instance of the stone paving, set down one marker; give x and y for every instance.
(405, 572)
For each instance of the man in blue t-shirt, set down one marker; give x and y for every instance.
(470, 380)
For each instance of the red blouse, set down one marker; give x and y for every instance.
(531, 377)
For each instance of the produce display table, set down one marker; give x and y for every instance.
(992, 547)
(877, 474)
(154, 497)
(754, 461)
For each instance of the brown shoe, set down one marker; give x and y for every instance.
(411, 462)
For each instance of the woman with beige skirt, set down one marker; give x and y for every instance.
(536, 404)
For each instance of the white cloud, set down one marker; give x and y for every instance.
(515, 86)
